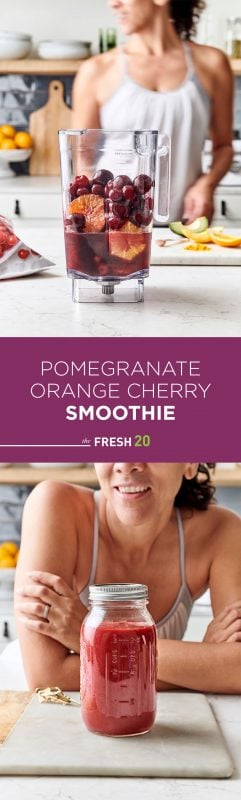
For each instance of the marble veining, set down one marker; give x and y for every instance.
(179, 300)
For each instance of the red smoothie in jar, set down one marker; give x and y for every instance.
(118, 674)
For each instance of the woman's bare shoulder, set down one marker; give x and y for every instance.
(59, 497)
(210, 58)
(223, 522)
(98, 66)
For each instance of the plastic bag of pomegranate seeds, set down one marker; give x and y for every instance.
(16, 258)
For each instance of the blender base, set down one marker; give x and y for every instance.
(130, 291)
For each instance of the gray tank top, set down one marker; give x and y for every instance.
(183, 113)
(174, 623)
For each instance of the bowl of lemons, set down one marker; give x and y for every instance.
(9, 552)
(14, 146)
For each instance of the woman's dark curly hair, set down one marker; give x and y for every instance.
(185, 15)
(197, 492)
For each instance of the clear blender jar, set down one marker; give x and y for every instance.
(113, 183)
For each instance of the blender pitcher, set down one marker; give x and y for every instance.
(113, 184)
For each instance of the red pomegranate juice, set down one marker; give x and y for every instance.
(118, 677)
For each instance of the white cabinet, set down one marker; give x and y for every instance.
(31, 198)
(227, 207)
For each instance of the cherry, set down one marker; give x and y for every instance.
(98, 188)
(149, 203)
(114, 222)
(115, 194)
(23, 253)
(72, 190)
(136, 218)
(120, 181)
(141, 218)
(103, 176)
(79, 221)
(143, 183)
(3, 237)
(108, 187)
(118, 209)
(128, 192)
(82, 181)
(81, 191)
(12, 240)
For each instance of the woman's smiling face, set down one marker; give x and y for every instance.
(134, 15)
(141, 491)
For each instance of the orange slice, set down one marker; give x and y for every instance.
(129, 227)
(92, 206)
(224, 239)
(199, 238)
(127, 243)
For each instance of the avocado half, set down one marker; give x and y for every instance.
(198, 226)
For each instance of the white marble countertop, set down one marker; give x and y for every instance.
(179, 300)
(228, 713)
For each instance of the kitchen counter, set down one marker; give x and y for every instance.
(228, 713)
(179, 300)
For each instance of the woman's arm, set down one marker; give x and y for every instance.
(213, 665)
(199, 198)
(84, 96)
(49, 543)
(199, 666)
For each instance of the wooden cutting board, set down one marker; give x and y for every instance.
(43, 126)
(184, 742)
(12, 705)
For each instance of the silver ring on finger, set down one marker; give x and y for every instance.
(46, 611)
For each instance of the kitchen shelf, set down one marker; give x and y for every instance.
(27, 475)
(23, 474)
(40, 66)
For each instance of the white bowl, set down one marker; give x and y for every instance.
(42, 464)
(63, 49)
(14, 45)
(6, 156)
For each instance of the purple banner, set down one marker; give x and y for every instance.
(90, 400)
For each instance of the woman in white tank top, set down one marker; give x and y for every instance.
(162, 80)
(150, 523)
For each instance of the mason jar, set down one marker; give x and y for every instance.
(118, 661)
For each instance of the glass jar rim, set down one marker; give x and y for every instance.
(118, 591)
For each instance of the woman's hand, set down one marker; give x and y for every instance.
(47, 605)
(198, 202)
(226, 626)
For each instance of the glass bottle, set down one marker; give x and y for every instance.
(118, 661)
(237, 38)
(229, 37)
(101, 41)
(110, 38)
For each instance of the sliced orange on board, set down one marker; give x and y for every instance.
(224, 239)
